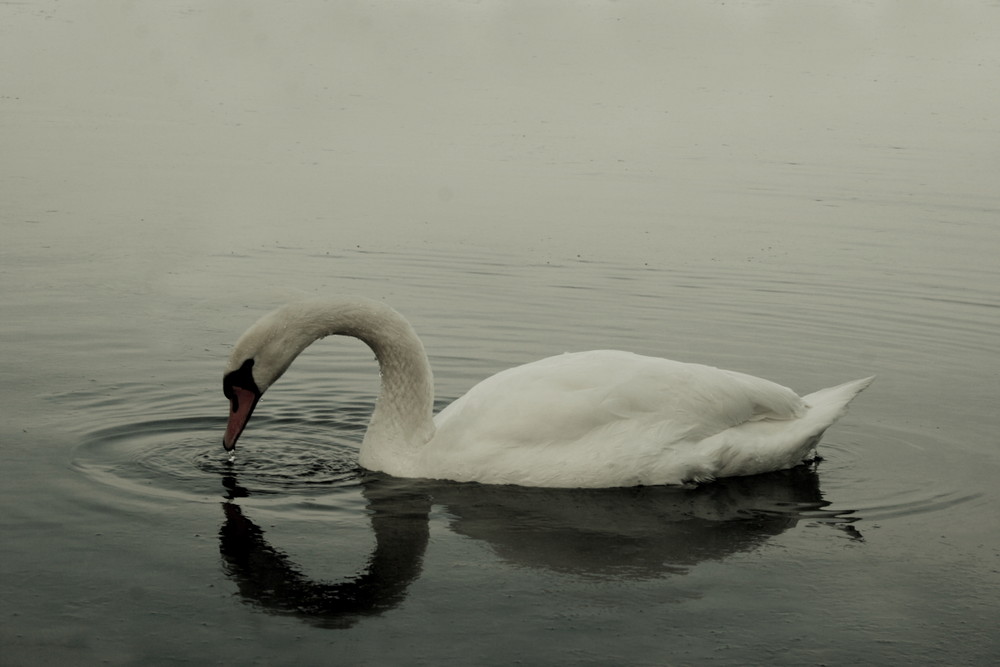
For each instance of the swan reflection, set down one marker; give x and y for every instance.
(630, 533)
(267, 578)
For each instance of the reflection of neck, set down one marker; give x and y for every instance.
(266, 577)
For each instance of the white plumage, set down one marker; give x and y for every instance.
(602, 418)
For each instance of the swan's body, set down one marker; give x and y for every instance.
(587, 419)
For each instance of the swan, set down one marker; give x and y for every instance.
(602, 418)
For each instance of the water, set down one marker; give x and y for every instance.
(734, 184)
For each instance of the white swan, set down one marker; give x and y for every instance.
(587, 419)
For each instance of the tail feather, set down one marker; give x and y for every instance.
(832, 401)
(763, 446)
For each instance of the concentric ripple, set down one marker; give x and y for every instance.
(184, 457)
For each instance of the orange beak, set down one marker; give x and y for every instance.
(242, 403)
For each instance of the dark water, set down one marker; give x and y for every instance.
(731, 185)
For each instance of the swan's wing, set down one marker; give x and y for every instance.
(610, 395)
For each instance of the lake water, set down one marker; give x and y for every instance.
(802, 192)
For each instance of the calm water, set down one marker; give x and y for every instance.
(805, 194)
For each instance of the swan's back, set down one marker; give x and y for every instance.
(609, 418)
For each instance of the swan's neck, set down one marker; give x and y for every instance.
(403, 418)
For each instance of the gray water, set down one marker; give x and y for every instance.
(805, 192)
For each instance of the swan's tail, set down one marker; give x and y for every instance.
(830, 404)
(772, 444)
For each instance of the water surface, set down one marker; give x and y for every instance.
(801, 193)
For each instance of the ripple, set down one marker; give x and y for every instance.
(301, 457)
(878, 475)
(184, 457)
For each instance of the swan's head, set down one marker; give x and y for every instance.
(259, 358)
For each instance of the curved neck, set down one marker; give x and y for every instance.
(403, 417)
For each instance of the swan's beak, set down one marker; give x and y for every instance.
(242, 402)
